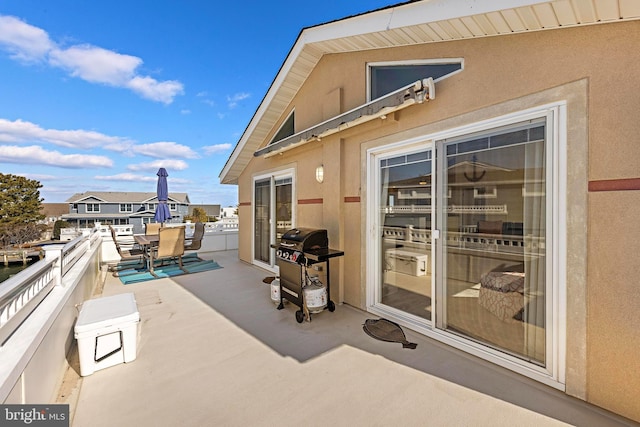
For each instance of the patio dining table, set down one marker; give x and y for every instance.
(147, 241)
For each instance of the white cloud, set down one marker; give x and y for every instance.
(22, 131)
(234, 99)
(42, 177)
(128, 177)
(180, 181)
(132, 177)
(162, 150)
(35, 155)
(23, 41)
(96, 65)
(157, 164)
(93, 64)
(123, 147)
(185, 112)
(150, 88)
(212, 149)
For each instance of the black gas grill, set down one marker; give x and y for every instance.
(300, 248)
(294, 243)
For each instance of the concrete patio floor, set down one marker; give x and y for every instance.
(215, 351)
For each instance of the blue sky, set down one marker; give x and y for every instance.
(99, 95)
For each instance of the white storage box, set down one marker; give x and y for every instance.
(107, 332)
(406, 262)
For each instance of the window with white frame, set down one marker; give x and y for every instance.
(93, 207)
(126, 207)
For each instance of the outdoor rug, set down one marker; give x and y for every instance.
(386, 330)
(191, 264)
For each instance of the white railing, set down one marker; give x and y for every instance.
(39, 306)
(218, 236)
(20, 294)
(24, 291)
(37, 311)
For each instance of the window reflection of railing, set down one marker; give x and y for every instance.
(423, 209)
(452, 209)
(408, 234)
(472, 209)
(468, 240)
(496, 242)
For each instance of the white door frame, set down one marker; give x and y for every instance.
(556, 149)
(273, 176)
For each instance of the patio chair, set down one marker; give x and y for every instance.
(170, 246)
(134, 256)
(195, 242)
(152, 228)
(126, 241)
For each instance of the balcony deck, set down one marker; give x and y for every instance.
(214, 350)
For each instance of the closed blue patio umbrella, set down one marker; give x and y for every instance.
(162, 210)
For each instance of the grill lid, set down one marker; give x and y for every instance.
(304, 239)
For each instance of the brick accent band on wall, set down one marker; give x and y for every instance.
(310, 201)
(353, 199)
(615, 185)
(244, 204)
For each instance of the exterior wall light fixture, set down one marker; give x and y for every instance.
(320, 174)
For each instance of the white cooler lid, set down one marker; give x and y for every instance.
(107, 311)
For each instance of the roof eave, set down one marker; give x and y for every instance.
(312, 41)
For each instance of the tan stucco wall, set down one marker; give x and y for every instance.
(597, 68)
(614, 302)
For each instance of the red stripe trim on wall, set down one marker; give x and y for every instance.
(310, 201)
(353, 199)
(615, 185)
(244, 204)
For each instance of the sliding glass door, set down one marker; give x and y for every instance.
(462, 245)
(272, 214)
(493, 283)
(404, 226)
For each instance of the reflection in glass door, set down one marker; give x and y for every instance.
(262, 220)
(405, 228)
(273, 197)
(493, 214)
(283, 206)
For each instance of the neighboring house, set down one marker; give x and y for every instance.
(210, 210)
(119, 208)
(489, 204)
(229, 212)
(53, 211)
